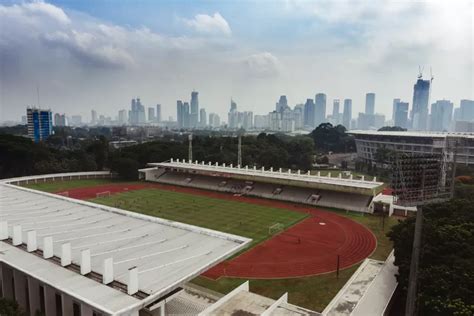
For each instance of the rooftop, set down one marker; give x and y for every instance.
(165, 253)
(304, 179)
(412, 134)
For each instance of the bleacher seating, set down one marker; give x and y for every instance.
(323, 198)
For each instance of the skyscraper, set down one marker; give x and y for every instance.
(347, 114)
(400, 118)
(370, 104)
(441, 115)
(214, 120)
(419, 113)
(233, 105)
(60, 119)
(40, 124)
(194, 113)
(122, 117)
(179, 113)
(466, 110)
(76, 120)
(309, 114)
(186, 115)
(320, 109)
(158, 113)
(202, 118)
(335, 112)
(282, 104)
(247, 122)
(394, 108)
(136, 115)
(151, 114)
(93, 117)
(233, 115)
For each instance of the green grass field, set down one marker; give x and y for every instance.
(243, 219)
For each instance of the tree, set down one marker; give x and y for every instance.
(446, 272)
(126, 168)
(327, 138)
(392, 129)
(10, 308)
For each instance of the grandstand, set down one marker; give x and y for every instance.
(342, 192)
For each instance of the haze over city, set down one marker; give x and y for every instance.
(84, 55)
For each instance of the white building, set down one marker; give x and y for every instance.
(367, 143)
(63, 256)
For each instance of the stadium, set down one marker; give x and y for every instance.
(187, 237)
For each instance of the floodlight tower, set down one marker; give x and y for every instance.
(417, 180)
(190, 148)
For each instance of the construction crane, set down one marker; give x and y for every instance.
(420, 72)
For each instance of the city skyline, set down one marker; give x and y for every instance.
(91, 55)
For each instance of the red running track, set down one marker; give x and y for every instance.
(308, 248)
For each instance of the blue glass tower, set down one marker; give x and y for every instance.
(40, 124)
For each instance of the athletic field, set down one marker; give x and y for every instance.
(242, 216)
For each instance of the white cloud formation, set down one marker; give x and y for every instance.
(209, 24)
(262, 65)
(89, 49)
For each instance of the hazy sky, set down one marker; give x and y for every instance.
(99, 54)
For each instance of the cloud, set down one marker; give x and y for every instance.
(89, 49)
(209, 24)
(262, 65)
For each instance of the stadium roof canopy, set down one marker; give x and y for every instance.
(411, 134)
(151, 255)
(277, 177)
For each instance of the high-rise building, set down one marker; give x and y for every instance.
(180, 113)
(282, 104)
(186, 115)
(261, 122)
(320, 109)
(93, 117)
(40, 124)
(233, 115)
(275, 120)
(76, 120)
(247, 120)
(202, 118)
(214, 120)
(60, 119)
(122, 117)
(151, 114)
(137, 115)
(419, 113)
(298, 115)
(370, 103)
(336, 116)
(194, 111)
(466, 109)
(394, 108)
(363, 121)
(441, 115)
(400, 116)
(158, 113)
(309, 114)
(378, 120)
(347, 114)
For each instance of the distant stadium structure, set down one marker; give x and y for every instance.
(342, 192)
